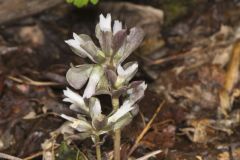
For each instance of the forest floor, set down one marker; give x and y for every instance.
(189, 58)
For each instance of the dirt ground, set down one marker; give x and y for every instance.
(189, 58)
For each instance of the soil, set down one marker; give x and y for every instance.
(187, 64)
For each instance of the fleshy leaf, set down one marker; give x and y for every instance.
(78, 76)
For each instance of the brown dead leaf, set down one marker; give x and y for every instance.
(232, 75)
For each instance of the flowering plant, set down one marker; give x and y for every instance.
(106, 75)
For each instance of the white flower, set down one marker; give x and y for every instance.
(105, 23)
(100, 123)
(80, 125)
(77, 101)
(95, 108)
(75, 43)
(126, 73)
(83, 46)
(94, 78)
(139, 89)
(117, 26)
(124, 109)
(137, 92)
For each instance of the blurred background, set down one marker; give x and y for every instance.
(190, 51)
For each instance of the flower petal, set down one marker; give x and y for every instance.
(78, 124)
(105, 23)
(122, 122)
(124, 109)
(118, 40)
(133, 40)
(111, 76)
(117, 26)
(104, 35)
(75, 99)
(136, 92)
(83, 46)
(95, 107)
(128, 71)
(93, 51)
(75, 45)
(78, 76)
(94, 78)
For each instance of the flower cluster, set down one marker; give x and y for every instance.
(116, 46)
(90, 119)
(106, 75)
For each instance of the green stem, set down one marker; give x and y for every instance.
(98, 149)
(117, 133)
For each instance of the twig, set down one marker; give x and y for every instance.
(144, 131)
(149, 155)
(38, 154)
(33, 155)
(9, 157)
(29, 81)
(142, 117)
(167, 59)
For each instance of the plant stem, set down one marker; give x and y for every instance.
(117, 133)
(117, 144)
(98, 149)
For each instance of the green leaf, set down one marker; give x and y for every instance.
(66, 152)
(94, 1)
(69, 1)
(80, 3)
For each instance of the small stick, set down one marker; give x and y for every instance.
(33, 155)
(9, 157)
(29, 81)
(144, 131)
(167, 59)
(149, 155)
(142, 117)
(37, 154)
